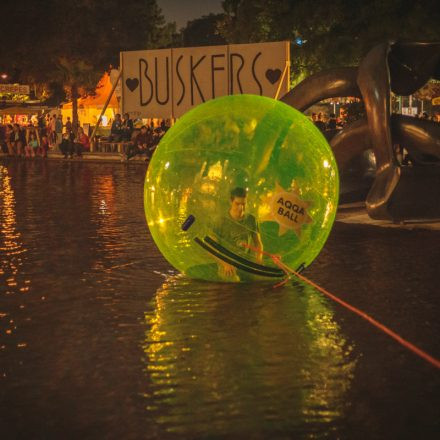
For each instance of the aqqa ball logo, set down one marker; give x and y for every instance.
(287, 209)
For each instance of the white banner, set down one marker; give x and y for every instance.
(199, 74)
(168, 82)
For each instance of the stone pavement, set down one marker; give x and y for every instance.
(356, 213)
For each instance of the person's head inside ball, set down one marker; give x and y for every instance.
(238, 203)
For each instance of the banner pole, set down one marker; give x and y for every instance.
(282, 79)
(105, 106)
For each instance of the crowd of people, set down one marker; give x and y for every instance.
(36, 139)
(145, 141)
(71, 144)
(324, 122)
(424, 115)
(139, 141)
(19, 141)
(122, 128)
(329, 122)
(50, 133)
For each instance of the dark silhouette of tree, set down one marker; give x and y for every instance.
(203, 31)
(335, 33)
(73, 42)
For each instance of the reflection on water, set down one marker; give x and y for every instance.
(98, 341)
(11, 257)
(10, 246)
(230, 361)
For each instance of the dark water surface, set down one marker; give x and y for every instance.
(100, 338)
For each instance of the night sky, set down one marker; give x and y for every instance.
(181, 11)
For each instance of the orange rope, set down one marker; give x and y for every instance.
(276, 259)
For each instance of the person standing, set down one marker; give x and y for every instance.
(234, 229)
(58, 129)
(52, 132)
(319, 122)
(332, 123)
(44, 147)
(127, 127)
(9, 139)
(116, 130)
(41, 126)
(68, 126)
(19, 140)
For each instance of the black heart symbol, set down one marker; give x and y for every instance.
(132, 83)
(273, 75)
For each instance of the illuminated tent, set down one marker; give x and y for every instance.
(90, 107)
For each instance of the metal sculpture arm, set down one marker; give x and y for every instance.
(331, 83)
(400, 67)
(419, 136)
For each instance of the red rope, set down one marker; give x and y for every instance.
(276, 259)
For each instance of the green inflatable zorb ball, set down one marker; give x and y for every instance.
(235, 175)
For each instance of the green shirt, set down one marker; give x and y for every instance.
(231, 233)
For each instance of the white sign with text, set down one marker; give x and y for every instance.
(167, 83)
(17, 89)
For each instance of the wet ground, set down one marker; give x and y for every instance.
(100, 338)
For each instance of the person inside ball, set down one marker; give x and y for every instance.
(237, 229)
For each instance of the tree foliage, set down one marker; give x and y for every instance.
(203, 31)
(429, 91)
(336, 33)
(73, 42)
(38, 37)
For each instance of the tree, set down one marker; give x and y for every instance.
(336, 33)
(77, 40)
(75, 74)
(203, 31)
(429, 91)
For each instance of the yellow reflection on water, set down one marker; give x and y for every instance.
(237, 360)
(11, 247)
(11, 255)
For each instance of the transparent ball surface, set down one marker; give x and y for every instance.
(237, 175)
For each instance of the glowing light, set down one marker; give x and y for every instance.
(215, 171)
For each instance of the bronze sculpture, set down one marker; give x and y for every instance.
(398, 192)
